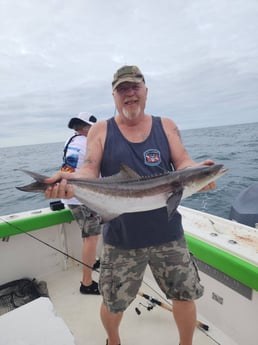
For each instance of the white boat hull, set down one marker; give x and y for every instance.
(226, 307)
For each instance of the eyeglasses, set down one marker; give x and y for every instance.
(125, 88)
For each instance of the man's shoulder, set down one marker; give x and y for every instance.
(77, 141)
(167, 121)
(78, 138)
(99, 126)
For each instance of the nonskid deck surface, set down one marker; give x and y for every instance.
(81, 314)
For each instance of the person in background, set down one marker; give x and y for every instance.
(149, 145)
(73, 158)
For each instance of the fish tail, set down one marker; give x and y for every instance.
(38, 186)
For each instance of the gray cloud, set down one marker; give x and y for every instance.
(57, 58)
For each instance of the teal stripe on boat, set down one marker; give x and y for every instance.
(34, 222)
(231, 265)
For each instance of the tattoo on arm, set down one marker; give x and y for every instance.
(89, 161)
(178, 133)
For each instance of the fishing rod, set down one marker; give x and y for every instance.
(48, 245)
(152, 302)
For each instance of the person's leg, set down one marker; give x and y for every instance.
(185, 317)
(89, 258)
(121, 274)
(176, 274)
(91, 228)
(111, 324)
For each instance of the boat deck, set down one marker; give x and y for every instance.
(81, 314)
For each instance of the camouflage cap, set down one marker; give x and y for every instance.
(127, 73)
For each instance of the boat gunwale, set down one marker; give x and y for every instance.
(237, 268)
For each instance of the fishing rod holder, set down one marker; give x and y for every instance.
(56, 205)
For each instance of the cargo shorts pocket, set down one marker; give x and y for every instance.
(111, 289)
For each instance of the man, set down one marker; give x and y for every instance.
(73, 158)
(149, 145)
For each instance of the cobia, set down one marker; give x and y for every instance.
(128, 192)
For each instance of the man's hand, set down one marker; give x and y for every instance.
(60, 189)
(211, 185)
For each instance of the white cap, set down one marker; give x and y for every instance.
(88, 118)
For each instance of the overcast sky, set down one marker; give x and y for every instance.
(57, 58)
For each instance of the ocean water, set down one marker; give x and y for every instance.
(234, 146)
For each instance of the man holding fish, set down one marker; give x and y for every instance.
(149, 145)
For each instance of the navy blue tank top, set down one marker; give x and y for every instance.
(150, 157)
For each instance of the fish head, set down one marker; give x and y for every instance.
(196, 178)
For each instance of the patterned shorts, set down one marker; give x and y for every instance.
(171, 263)
(87, 220)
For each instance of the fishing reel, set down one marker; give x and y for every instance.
(150, 305)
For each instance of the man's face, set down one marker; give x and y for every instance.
(130, 99)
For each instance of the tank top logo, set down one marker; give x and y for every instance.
(152, 157)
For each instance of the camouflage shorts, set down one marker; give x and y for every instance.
(87, 220)
(122, 273)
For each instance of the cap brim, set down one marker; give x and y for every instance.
(72, 122)
(126, 79)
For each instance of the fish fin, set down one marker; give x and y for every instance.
(125, 173)
(38, 186)
(173, 202)
(36, 176)
(34, 187)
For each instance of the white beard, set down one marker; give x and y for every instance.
(131, 114)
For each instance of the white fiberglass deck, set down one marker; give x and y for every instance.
(81, 314)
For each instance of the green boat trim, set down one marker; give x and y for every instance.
(35, 221)
(236, 268)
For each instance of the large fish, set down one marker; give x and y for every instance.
(128, 192)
